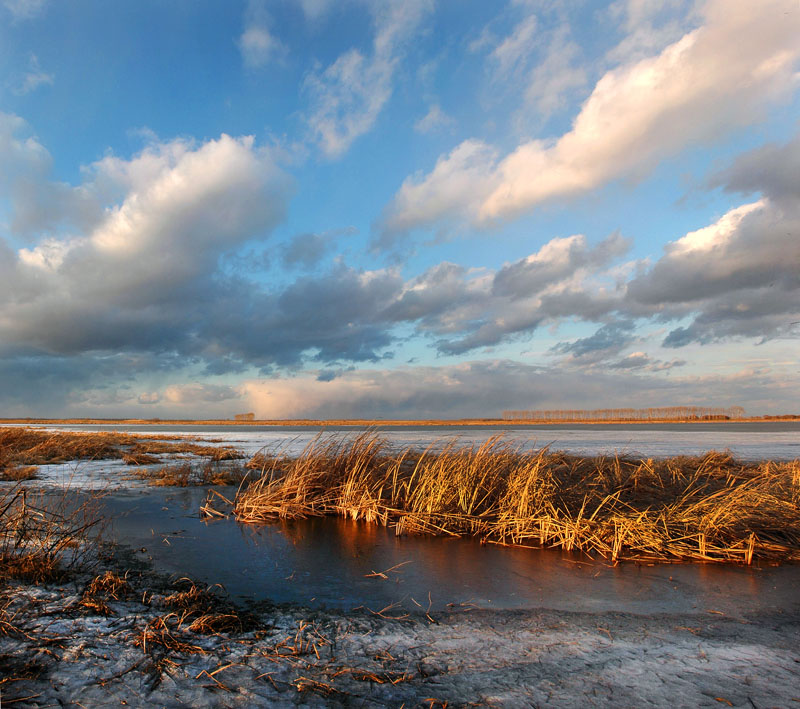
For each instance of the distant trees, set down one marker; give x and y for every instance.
(244, 417)
(659, 413)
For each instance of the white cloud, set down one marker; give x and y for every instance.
(348, 95)
(738, 277)
(36, 202)
(150, 257)
(435, 119)
(34, 78)
(487, 387)
(257, 44)
(515, 48)
(712, 79)
(458, 180)
(555, 77)
(24, 9)
(715, 236)
(315, 9)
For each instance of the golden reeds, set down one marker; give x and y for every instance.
(708, 508)
(28, 447)
(186, 474)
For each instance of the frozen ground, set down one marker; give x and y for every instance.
(462, 658)
(766, 440)
(67, 655)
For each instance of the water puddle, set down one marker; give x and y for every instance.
(334, 563)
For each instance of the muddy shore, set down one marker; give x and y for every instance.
(290, 655)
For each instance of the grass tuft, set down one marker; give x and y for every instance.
(42, 539)
(706, 508)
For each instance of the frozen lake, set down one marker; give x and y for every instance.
(338, 564)
(773, 440)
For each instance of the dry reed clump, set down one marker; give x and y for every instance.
(106, 587)
(18, 473)
(26, 447)
(204, 610)
(41, 539)
(708, 508)
(164, 633)
(190, 610)
(187, 474)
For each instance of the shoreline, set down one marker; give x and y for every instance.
(136, 649)
(379, 423)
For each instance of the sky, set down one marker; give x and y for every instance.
(397, 208)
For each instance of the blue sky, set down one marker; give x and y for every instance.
(404, 209)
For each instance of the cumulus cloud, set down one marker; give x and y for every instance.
(199, 393)
(607, 342)
(347, 96)
(734, 278)
(142, 286)
(487, 387)
(460, 178)
(36, 202)
(326, 318)
(714, 78)
(739, 276)
(466, 309)
(138, 278)
(555, 261)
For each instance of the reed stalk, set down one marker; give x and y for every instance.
(709, 508)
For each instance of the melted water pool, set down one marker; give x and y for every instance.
(334, 563)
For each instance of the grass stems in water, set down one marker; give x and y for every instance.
(706, 508)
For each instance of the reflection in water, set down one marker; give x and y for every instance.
(331, 562)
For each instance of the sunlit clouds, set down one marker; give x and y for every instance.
(400, 209)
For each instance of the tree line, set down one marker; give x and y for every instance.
(678, 413)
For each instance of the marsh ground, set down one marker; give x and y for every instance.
(70, 641)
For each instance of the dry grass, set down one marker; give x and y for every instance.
(106, 587)
(205, 610)
(164, 633)
(18, 473)
(708, 508)
(186, 474)
(29, 447)
(41, 539)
